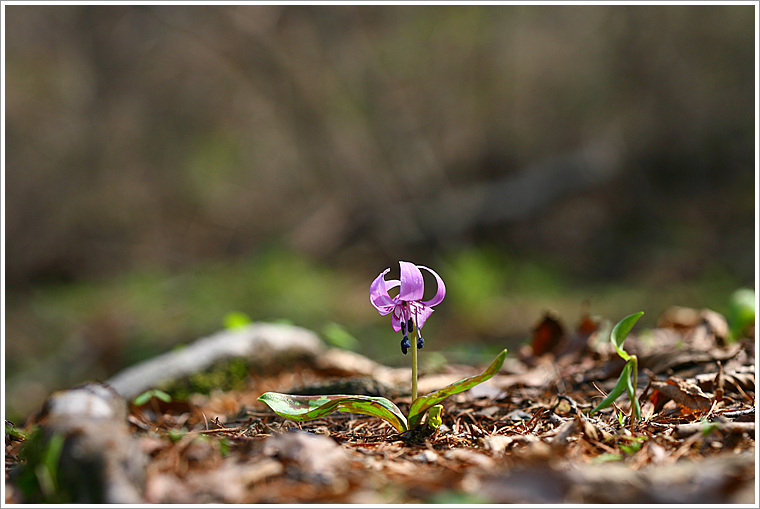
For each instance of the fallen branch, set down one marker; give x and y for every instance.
(261, 344)
(685, 430)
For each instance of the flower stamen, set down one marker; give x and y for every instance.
(404, 342)
(405, 346)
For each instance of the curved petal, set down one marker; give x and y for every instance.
(378, 292)
(396, 319)
(423, 313)
(440, 292)
(384, 310)
(391, 284)
(412, 284)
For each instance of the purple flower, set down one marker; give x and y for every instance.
(407, 307)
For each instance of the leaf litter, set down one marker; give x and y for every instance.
(522, 437)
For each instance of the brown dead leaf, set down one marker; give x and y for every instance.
(561, 433)
(732, 382)
(497, 444)
(317, 457)
(687, 395)
(547, 335)
(702, 328)
(679, 317)
(716, 324)
(469, 456)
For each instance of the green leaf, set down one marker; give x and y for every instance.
(423, 403)
(144, 397)
(338, 336)
(175, 435)
(236, 320)
(621, 330)
(47, 471)
(607, 456)
(162, 396)
(708, 427)
(13, 431)
(224, 446)
(634, 444)
(307, 408)
(620, 387)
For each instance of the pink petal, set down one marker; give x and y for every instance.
(391, 284)
(423, 313)
(440, 292)
(396, 319)
(412, 284)
(378, 293)
(384, 310)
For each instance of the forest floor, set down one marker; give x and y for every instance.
(524, 436)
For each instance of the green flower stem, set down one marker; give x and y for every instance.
(414, 365)
(635, 372)
(635, 375)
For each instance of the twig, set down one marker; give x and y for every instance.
(685, 430)
(218, 430)
(731, 414)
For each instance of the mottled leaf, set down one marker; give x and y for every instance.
(423, 403)
(307, 408)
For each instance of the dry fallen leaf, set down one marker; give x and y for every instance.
(547, 335)
(317, 457)
(687, 395)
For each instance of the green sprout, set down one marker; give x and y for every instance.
(175, 435)
(628, 377)
(146, 396)
(633, 445)
(708, 427)
(621, 419)
(741, 311)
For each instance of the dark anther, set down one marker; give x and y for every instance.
(420, 342)
(405, 345)
(403, 328)
(410, 325)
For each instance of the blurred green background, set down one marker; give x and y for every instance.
(168, 165)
